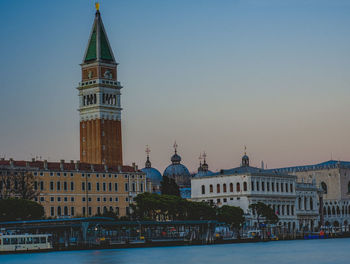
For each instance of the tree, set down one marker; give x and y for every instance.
(20, 209)
(169, 187)
(23, 186)
(263, 210)
(231, 215)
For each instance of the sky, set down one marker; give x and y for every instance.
(213, 75)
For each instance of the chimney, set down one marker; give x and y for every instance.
(45, 164)
(62, 164)
(134, 165)
(77, 165)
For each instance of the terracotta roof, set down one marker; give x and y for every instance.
(68, 166)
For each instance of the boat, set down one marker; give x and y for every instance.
(25, 242)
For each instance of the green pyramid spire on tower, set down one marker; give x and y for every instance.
(98, 48)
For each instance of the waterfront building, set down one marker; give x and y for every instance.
(333, 177)
(99, 101)
(246, 185)
(178, 171)
(76, 189)
(308, 204)
(152, 174)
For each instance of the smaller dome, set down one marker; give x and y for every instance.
(153, 174)
(176, 159)
(245, 161)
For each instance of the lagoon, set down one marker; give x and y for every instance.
(295, 251)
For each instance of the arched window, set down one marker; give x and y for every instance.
(273, 186)
(311, 204)
(305, 203)
(299, 203)
(211, 188)
(263, 186)
(218, 188)
(252, 184)
(224, 187)
(349, 187)
(324, 187)
(59, 212)
(245, 186)
(291, 187)
(338, 210)
(324, 211)
(333, 210)
(231, 187)
(238, 187)
(65, 210)
(283, 209)
(203, 189)
(292, 209)
(287, 209)
(257, 186)
(286, 187)
(329, 211)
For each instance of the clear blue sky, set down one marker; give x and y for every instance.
(214, 75)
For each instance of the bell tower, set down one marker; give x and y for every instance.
(99, 101)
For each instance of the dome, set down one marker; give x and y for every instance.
(203, 173)
(174, 170)
(153, 174)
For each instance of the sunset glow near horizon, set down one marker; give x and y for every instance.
(212, 75)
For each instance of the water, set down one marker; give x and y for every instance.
(330, 251)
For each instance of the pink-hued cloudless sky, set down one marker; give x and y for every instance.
(212, 75)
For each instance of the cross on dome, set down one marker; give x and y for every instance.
(175, 147)
(148, 150)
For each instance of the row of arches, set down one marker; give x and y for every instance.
(335, 210)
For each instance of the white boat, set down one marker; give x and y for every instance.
(24, 242)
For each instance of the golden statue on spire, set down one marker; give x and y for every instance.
(97, 6)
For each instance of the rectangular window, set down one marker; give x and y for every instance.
(291, 187)
(277, 187)
(126, 187)
(281, 187)
(104, 186)
(252, 183)
(65, 199)
(65, 186)
(257, 186)
(72, 209)
(273, 186)
(52, 199)
(72, 199)
(218, 188)
(268, 186)
(58, 199)
(41, 185)
(133, 187)
(35, 185)
(117, 210)
(115, 187)
(72, 186)
(84, 211)
(89, 186)
(141, 187)
(58, 186)
(110, 186)
(97, 186)
(83, 186)
(90, 211)
(51, 186)
(203, 189)
(116, 199)
(52, 211)
(286, 187)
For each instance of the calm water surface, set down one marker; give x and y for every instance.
(335, 251)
